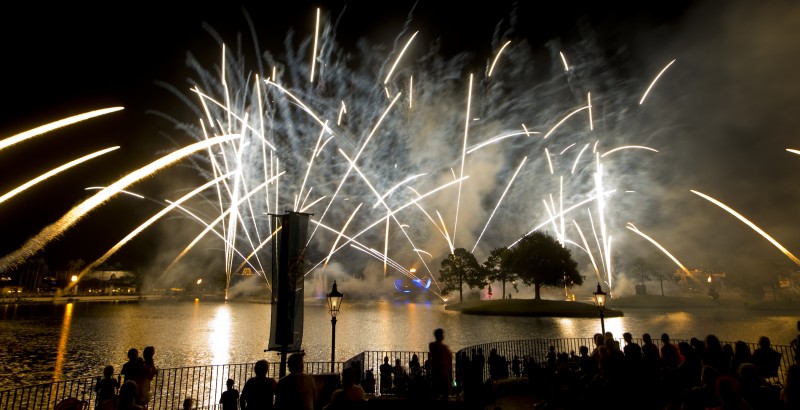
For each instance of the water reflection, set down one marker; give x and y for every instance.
(43, 342)
(220, 338)
(62, 342)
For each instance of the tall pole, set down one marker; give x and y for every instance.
(333, 344)
(602, 323)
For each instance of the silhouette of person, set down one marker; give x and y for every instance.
(258, 391)
(766, 359)
(145, 379)
(477, 364)
(369, 382)
(133, 368)
(127, 397)
(296, 390)
(188, 403)
(399, 374)
(349, 395)
(631, 349)
(229, 399)
(414, 367)
(516, 366)
(670, 355)
(386, 375)
(790, 393)
(441, 362)
(106, 387)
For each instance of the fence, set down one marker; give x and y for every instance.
(537, 348)
(204, 384)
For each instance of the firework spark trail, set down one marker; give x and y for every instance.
(341, 232)
(394, 211)
(143, 226)
(7, 142)
(551, 214)
(597, 241)
(564, 60)
(658, 245)
(750, 224)
(353, 242)
(463, 154)
(654, 82)
(499, 201)
(398, 185)
(310, 165)
(121, 191)
(558, 124)
(500, 138)
(10, 194)
(399, 57)
(221, 217)
(305, 108)
(289, 112)
(568, 210)
(242, 120)
(245, 259)
(388, 209)
(314, 54)
(355, 159)
(497, 57)
(578, 158)
(601, 205)
(69, 219)
(628, 147)
(442, 230)
(586, 244)
(793, 151)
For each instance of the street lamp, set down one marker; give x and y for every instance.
(74, 280)
(334, 303)
(600, 299)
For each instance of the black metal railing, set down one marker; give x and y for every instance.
(538, 348)
(204, 384)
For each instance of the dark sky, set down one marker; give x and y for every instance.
(731, 80)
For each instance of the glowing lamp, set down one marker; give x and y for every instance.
(600, 299)
(334, 303)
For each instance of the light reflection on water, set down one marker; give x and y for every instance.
(46, 342)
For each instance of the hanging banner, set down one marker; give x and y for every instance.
(288, 270)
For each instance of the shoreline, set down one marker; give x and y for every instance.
(616, 307)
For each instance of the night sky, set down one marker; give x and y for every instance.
(727, 109)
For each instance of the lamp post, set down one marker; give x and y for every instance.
(334, 303)
(74, 280)
(600, 299)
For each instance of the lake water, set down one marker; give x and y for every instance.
(44, 342)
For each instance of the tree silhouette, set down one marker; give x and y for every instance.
(541, 261)
(495, 270)
(459, 268)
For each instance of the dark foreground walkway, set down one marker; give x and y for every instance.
(509, 394)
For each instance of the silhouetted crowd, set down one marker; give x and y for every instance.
(698, 374)
(695, 374)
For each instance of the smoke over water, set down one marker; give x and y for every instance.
(402, 151)
(535, 131)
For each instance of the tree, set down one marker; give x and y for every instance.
(459, 268)
(541, 261)
(495, 270)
